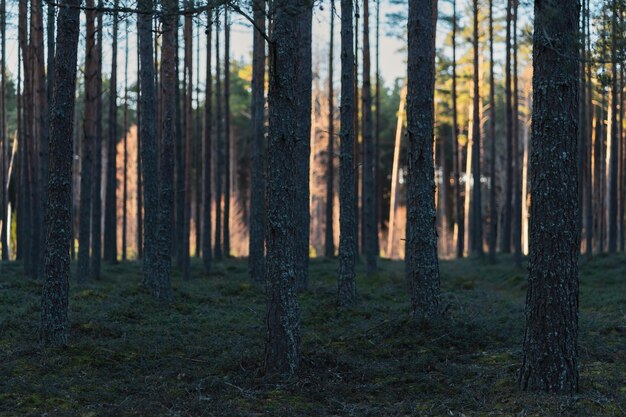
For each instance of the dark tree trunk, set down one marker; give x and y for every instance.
(348, 232)
(161, 287)
(227, 135)
(256, 260)
(188, 137)
(422, 266)
(378, 178)
(219, 147)
(370, 230)
(54, 299)
(197, 155)
(493, 210)
(96, 203)
(550, 341)
(477, 218)
(179, 216)
(589, 109)
(207, 154)
(149, 160)
(460, 221)
(304, 79)
(110, 210)
(329, 239)
(507, 215)
(140, 229)
(517, 152)
(612, 226)
(89, 137)
(291, 23)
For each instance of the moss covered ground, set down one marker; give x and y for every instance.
(203, 354)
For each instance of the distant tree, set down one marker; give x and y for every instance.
(54, 299)
(125, 155)
(476, 223)
(550, 342)
(348, 226)
(507, 215)
(256, 260)
(3, 129)
(612, 223)
(89, 137)
(207, 152)
(422, 265)
(227, 135)
(493, 210)
(219, 146)
(460, 222)
(290, 28)
(188, 136)
(329, 238)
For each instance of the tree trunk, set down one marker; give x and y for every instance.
(110, 211)
(207, 154)
(54, 299)
(422, 266)
(227, 135)
(89, 137)
(256, 260)
(161, 287)
(460, 221)
(477, 218)
(3, 128)
(149, 142)
(304, 78)
(286, 106)
(188, 137)
(219, 147)
(613, 155)
(370, 229)
(329, 238)
(493, 210)
(140, 228)
(96, 202)
(125, 163)
(550, 341)
(507, 215)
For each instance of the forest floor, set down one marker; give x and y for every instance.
(203, 354)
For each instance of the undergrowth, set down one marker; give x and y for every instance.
(203, 354)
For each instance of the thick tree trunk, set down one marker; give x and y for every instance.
(256, 260)
(54, 299)
(286, 106)
(422, 265)
(550, 341)
(304, 78)
(110, 203)
(89, 138)
(348, 225)
(370, 230)
(207, 154)
(329, 237)
(149, 160)
(161, 287)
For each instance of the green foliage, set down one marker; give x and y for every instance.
(202, 355)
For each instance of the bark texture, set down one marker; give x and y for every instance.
(54, 299)
(550, 341)
(422, 265)
(256, 259)
(347, 192)
(282, 349)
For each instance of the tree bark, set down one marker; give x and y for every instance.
(477, 218)
(286, 106)
(54, 299)
(149, 142)
(208, 143)
(219, 145)
(3, 129)
(507, 215)
(256, 260)
(612, 226)
(110, 211)
(348, 225)
(89, 138)
(422, 265)
(550, 341)
(370, 229)
(493, 210)
(227, 135)
(460, 221)
(188, 138)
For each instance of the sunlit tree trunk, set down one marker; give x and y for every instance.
(477, 221)
(460, 221)
(329, 242)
